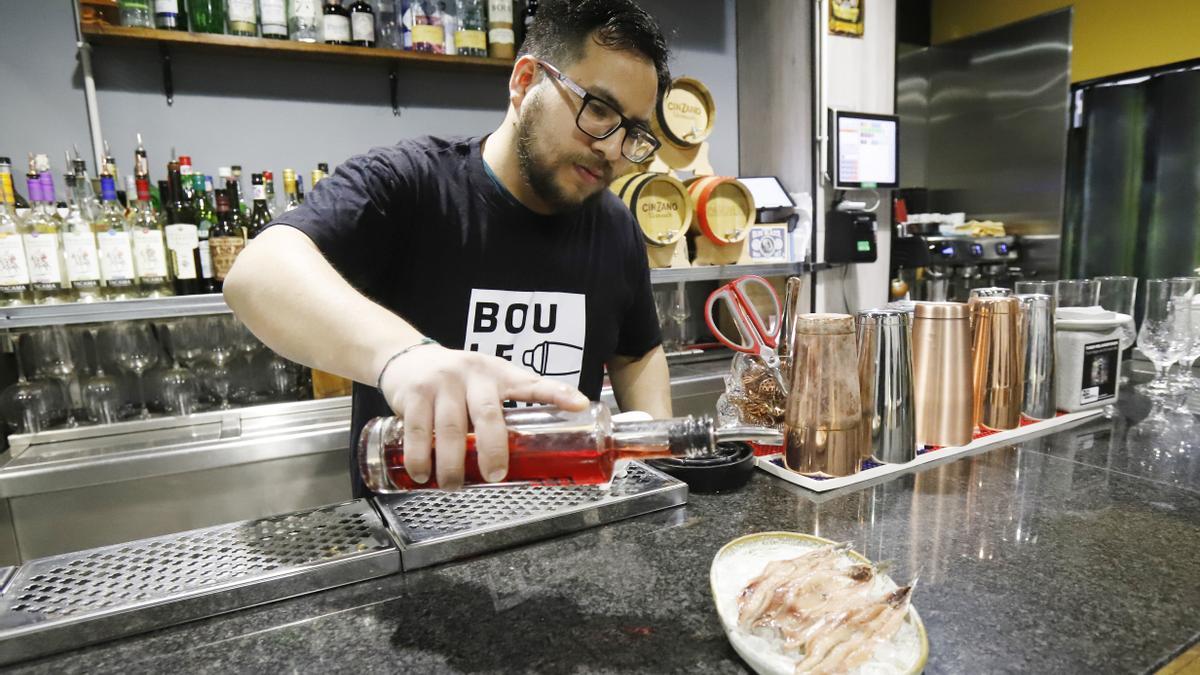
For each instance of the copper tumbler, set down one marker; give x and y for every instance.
(942, 373)
(823, 419)
(998, 355)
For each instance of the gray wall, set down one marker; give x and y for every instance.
(271, 112)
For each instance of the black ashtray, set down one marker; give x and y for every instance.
(729, 469)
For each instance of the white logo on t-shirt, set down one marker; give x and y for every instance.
(541, 331)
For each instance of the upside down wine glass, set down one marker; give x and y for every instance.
(1160, 338)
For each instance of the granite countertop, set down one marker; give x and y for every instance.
(1072, 552)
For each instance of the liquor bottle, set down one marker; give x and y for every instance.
(115, 245)
(304, 20)
(550, 446)
(136, 13)
(130, 197)
(226, 240)
(235, 172)
(205, 219)
(185, 173)
(272, 205)
(427, 32)
(335, 23)
(531, 8)
(85, 194)
(290, 194)
(471, 39)
(323, 168)
(110, 165)
(259, 217)
(182, 235)
(502, 41)
(80, 254)
(299, 188)
(242, 17)
(206, 16)
(159, 197)
(362, 24)
(273, 14)
(386, 31)
(149, 252)
(14, 268)
(240, 221)
(169, 15)
(448, 12)
(40, 234)
(317, 175)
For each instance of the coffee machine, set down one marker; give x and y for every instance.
(953, 265)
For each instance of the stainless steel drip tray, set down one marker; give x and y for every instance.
(433, 526)
(62, 602)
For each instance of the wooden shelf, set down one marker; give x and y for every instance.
(98, 34)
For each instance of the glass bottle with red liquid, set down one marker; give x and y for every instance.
(550, 446)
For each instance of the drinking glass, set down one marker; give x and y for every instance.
(1160, 339)
(1028, 287)
(245, 384)
(282, 376)
(101, 393)
(135, 349)
(1078, 293)
(189, 340)
(51, 349)
(663, 300)
(1116, 294)
(1187, 333)
(177, 389)
(680, 312)
(26, 405)
(215, 376)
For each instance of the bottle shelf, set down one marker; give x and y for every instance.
(116, 310)
(99, 34)
(30, 316)
(714, 272)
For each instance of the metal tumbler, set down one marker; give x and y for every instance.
(823, 419)
(998, 353)
(991, 292)
(886, 384)
(1037, 317)
(941, 336)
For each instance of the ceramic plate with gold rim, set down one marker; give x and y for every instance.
(744, 558)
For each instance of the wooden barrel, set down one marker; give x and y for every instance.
(685, 114)
(660, 205)
(724, 208)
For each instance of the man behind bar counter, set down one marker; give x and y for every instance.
(457, 273)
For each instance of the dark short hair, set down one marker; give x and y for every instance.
(561, 28)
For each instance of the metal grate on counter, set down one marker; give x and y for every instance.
(434, 527)
(66, 601)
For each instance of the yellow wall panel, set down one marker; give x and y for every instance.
(1109, 36)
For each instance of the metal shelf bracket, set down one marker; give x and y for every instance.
(168, 76)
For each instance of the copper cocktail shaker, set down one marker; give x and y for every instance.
(998, 352)
(942, 367)
(822, 423)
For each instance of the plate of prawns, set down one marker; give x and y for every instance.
(797, 603)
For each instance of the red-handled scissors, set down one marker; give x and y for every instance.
(754, 307)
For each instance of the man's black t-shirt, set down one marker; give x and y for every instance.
(423, 229)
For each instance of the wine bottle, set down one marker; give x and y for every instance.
(205, 219)
(206, 16)
(115, 245)
(182, 236)
(362, 24)
(149, 251)
(226, 240)
(169, 15)
(290, 193)
(40, 234)
(259, 216)
(14, 268)
(273, 15)
(80, 254)
(501, 38)
(471, 37)
(303, 20)
(243, 19)
(335, 23)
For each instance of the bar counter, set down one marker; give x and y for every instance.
(1072, 552)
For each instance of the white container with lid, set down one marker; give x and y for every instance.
(1087, 352)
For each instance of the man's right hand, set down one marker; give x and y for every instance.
(446, 392)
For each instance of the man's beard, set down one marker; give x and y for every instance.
(539, 171)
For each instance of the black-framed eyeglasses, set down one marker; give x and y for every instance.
(599, 119)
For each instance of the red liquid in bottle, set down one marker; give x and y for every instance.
(572, 461)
